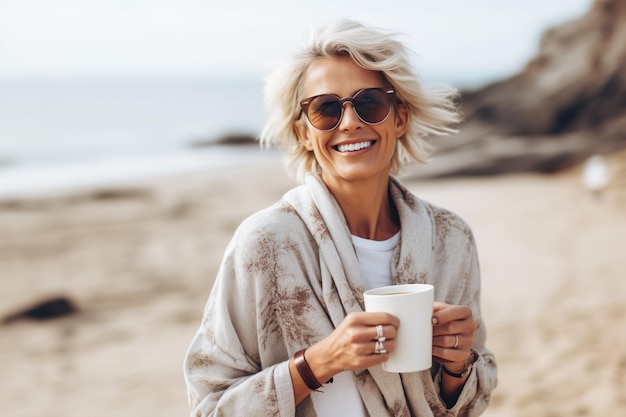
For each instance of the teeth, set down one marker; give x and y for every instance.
(355, 146)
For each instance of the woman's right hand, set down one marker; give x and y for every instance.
(352, 345)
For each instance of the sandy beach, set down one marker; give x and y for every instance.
(139, 262)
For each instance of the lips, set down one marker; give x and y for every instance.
(353, 147)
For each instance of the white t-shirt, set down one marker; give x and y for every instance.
(375, 259)
(341, 398)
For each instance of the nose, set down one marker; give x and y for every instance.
(349, 119)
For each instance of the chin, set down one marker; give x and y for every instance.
(358, 175)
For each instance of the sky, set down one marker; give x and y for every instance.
(454, 40)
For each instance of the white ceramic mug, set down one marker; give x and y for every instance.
(413, 305)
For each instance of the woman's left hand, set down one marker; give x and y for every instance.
(453, 333)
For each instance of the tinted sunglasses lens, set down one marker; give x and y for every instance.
(372, 105)
(324, 112)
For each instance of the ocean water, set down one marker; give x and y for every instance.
(57, 134)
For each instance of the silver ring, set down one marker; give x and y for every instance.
(379, 332)
(456, 341)
(379, 348)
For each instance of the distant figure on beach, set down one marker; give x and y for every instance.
(284, 331)
(596, 175)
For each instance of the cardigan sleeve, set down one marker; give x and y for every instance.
(225, 368)
(465, 288)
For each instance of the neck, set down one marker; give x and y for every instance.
(366, 205)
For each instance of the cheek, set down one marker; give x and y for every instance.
(318, 140)
(390, 136)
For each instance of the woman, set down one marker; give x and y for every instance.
(284, 332)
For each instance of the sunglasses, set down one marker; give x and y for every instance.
(371, 105)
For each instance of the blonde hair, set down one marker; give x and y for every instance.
(430, 112)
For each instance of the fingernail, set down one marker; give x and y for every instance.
(435, 321)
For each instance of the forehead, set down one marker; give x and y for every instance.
(341, 76)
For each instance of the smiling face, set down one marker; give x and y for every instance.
(354, 150)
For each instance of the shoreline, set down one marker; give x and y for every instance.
(48, 180)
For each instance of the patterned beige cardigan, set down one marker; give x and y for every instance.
(289, 277)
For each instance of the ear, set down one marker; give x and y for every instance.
(402, 120)
(302, 132)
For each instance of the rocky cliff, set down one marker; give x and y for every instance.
(568, 103)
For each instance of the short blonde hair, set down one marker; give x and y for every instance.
(430, 112)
